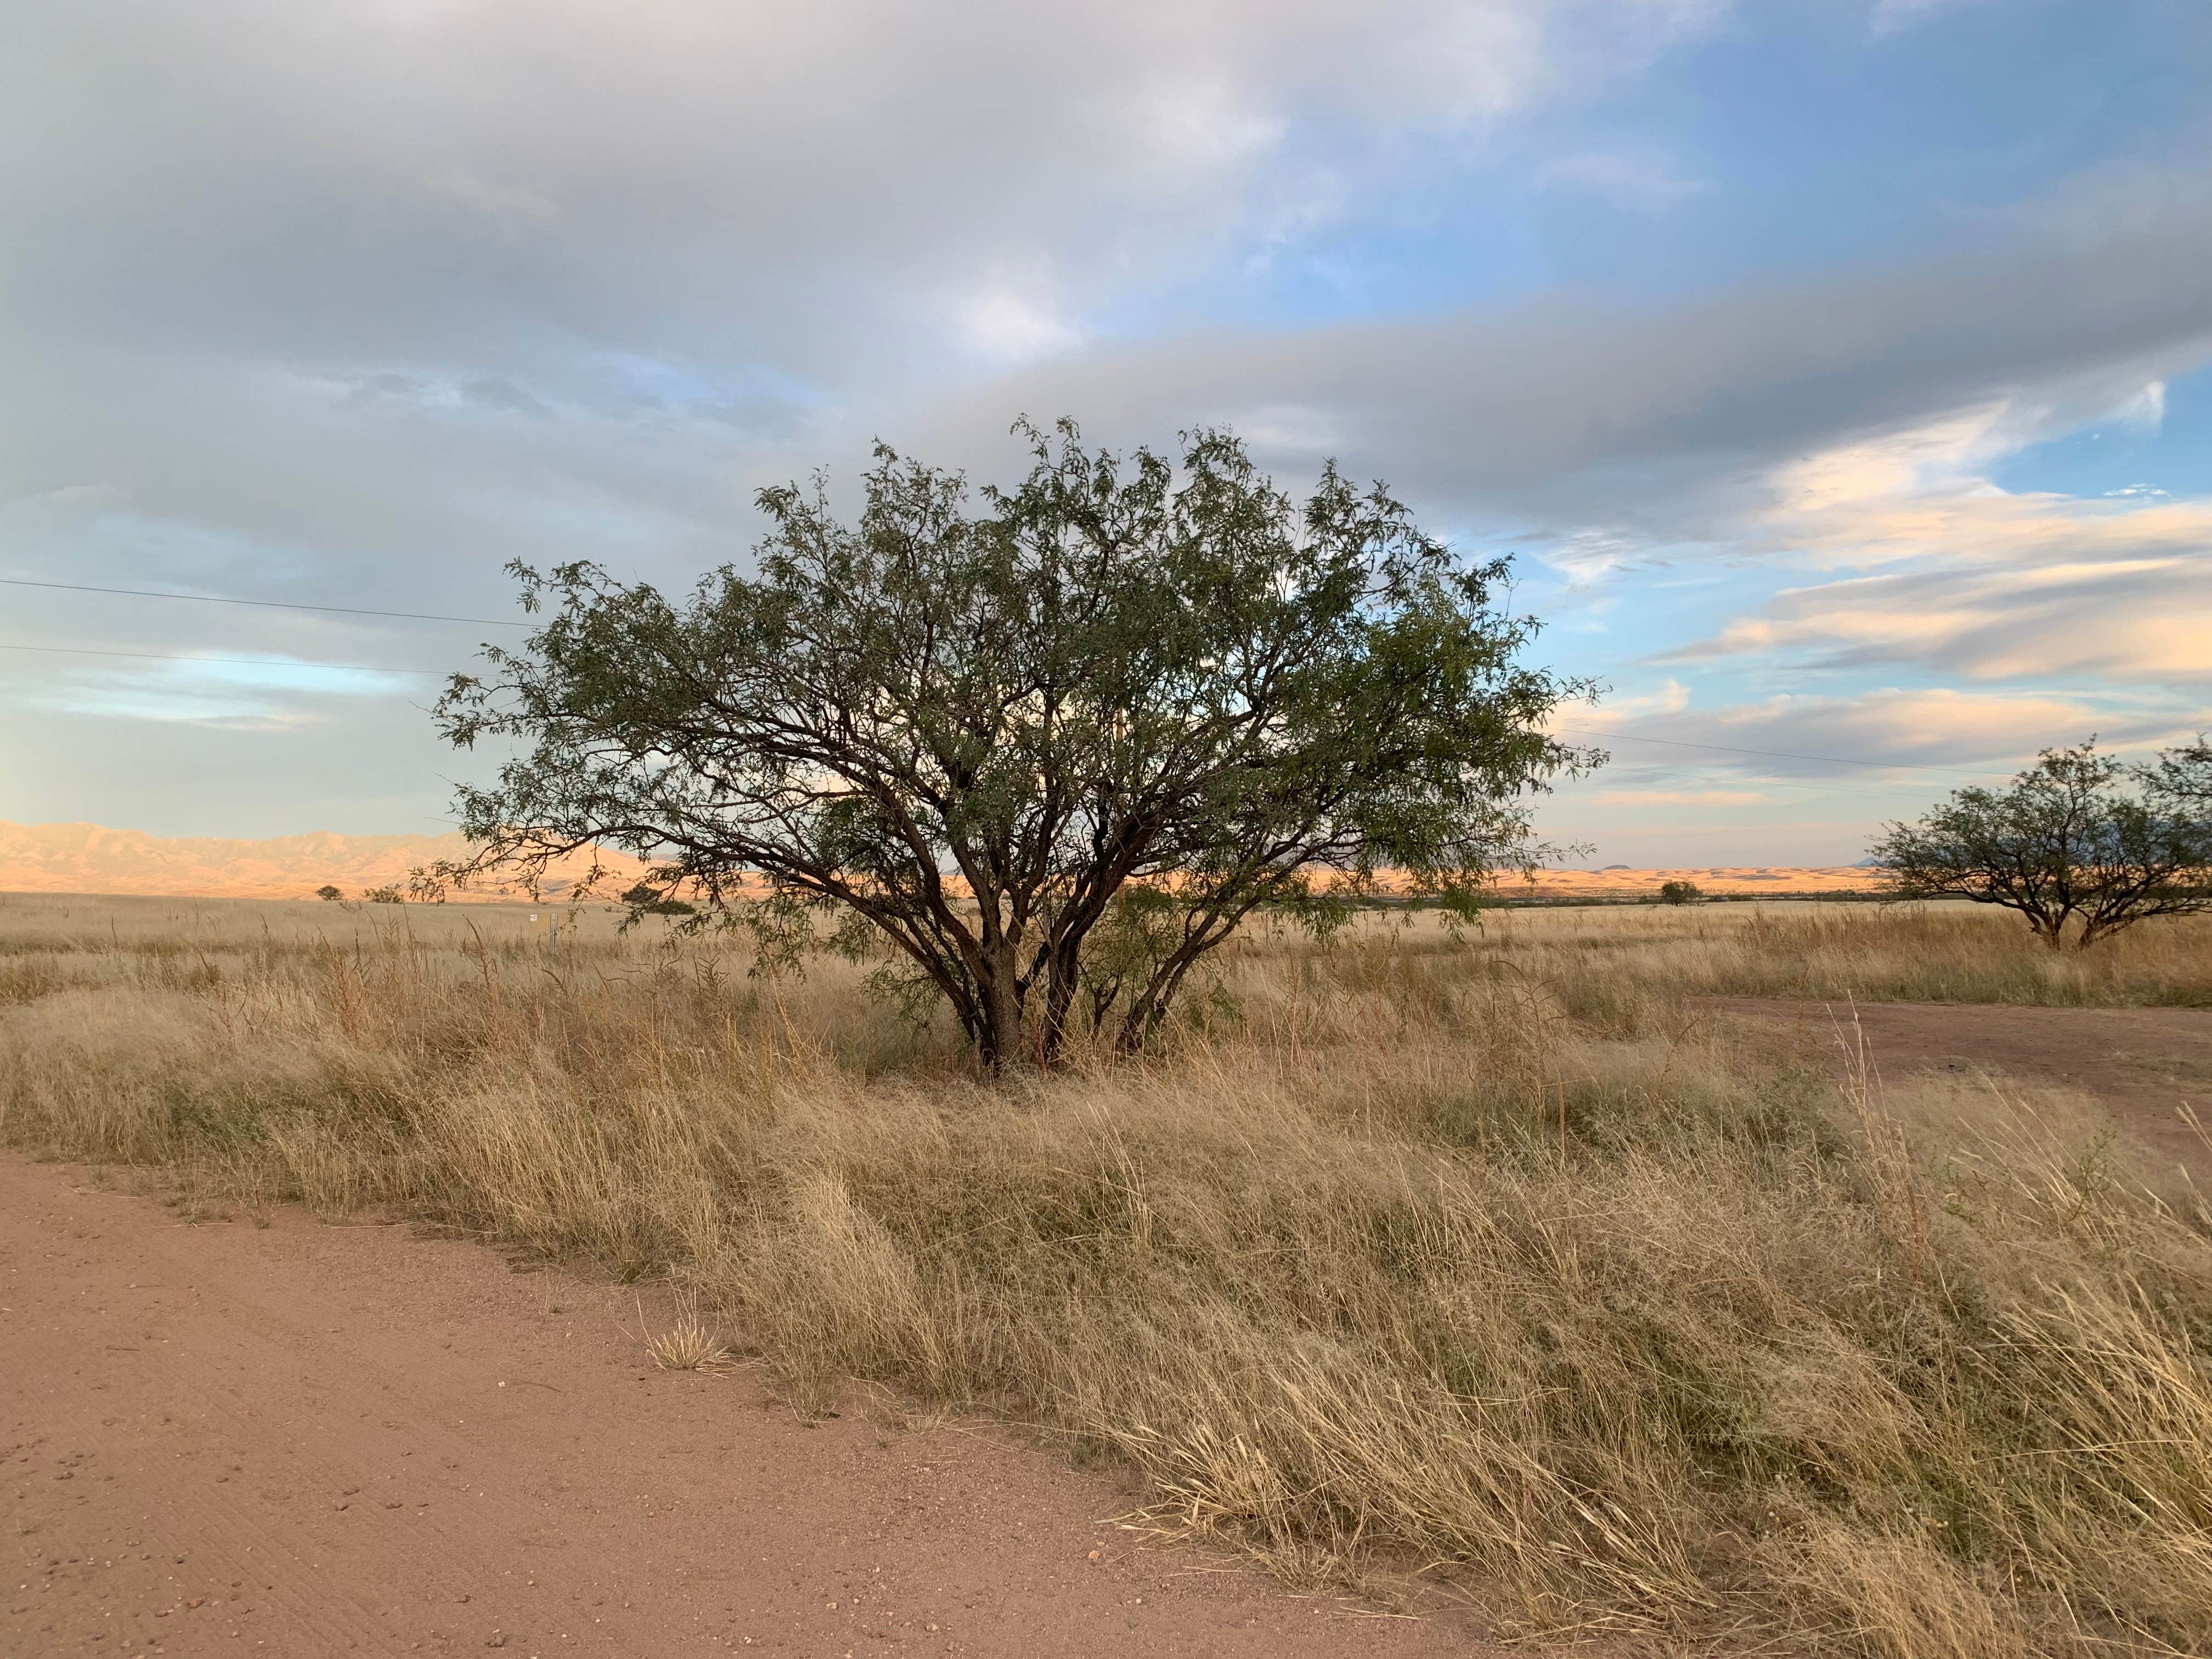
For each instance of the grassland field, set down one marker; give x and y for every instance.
(1482, 1257)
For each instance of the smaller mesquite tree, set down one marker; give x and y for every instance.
(2183, 776)
(1037, 760)
(2078, 835)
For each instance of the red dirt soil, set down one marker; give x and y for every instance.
(305, 1440)
(2141, 1064)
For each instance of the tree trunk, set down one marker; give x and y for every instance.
(1002, 1006)
(1062, 973)
(1151, 1006)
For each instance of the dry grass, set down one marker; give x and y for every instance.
(1479, 1254)
(688, 1345)
(1946, 952)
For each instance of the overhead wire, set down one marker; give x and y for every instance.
(266, 605)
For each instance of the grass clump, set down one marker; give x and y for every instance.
(688, 1345)
(1479, 1256)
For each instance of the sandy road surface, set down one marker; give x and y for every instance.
(2143, 1064)
(308, 1440)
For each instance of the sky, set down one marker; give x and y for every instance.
(1838, 373)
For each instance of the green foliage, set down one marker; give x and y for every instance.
(644, 900)
(1678, 892)
(2182, 778)
(2077, 835)
(1037, 760)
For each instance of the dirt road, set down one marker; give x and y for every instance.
(305, 1440)
(2143, 1064)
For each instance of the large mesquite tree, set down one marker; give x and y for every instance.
(1037, 752)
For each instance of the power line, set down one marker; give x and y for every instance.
(241, 662)
(1781, 754)
(266, 605)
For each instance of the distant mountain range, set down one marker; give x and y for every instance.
(85, 858)
(1781, 880)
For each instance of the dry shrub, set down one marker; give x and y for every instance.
(1474, 1253)
(688, 1345)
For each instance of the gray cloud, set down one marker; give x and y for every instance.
(355, 304)
(735, 183)
(719, 244)
(1577, 413)
(285, 274)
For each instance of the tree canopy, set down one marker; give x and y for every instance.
(2182, 777)
(2078, 835)
(1034, 751)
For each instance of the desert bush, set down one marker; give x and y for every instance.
(648, 901)
(1479, 1251)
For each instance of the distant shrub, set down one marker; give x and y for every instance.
(328, 894)
(383, 896)
(645, 898)
(1678, 892)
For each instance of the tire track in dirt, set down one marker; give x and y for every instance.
(306, 1440)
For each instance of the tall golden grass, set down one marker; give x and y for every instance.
(1475, 1256)
(1951, 952)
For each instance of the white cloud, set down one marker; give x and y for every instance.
(1894, 16)
(1967, 577)
(1849, 736)
(2146, 411)
(1593, 554)
(1641, 181)
(1677, 797)
(1291, 429)
(1013, 316)
(1206, 121)
(1671, 698)
(262, 695)
(506, 205)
